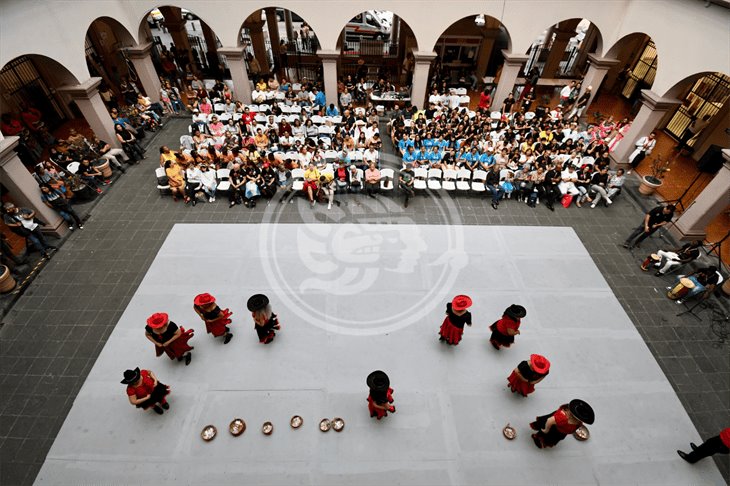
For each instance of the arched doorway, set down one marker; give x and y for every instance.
(377, 44)
(636, 70)
(104, 46)
(279, 42)
(470, 49)
(561, 51)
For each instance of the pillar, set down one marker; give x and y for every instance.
(211, 44)
(510, 71)
(24, 189)
(256, 28)
(175, 25)
(329, 71)
(557, 52)
(142, 60)
(272, 22)
(653, 109)
(236, 57)
(289, 26)
(585, 45)
(490, 35)
(713, 199)
(421, 70)
(86, 96)
(597, 69)
(715, 133)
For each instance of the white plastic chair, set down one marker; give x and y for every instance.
(419, 178)
(317, 120)
(463, 180)
(386, 179)
(219, 108)
(449, 180)
(478, 181)
(330, 155)
(464, 100)
(297, 176)
(159, 174)
(434, 179)
(224, 182)
(73, 167)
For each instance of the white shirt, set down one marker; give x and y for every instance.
(208, 178)
(565, 92)
(370, 156)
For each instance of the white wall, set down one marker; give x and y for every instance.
(690, 38)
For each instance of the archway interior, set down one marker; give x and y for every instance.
(703, 97)
(104, 46)
(561, 51)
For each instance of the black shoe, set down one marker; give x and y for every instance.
(684, 456)
(188, 359)
(494, 344)
(550, 207)
(158, 410)
(166, 406)
(627, 246)
(227, 339)
(53, 247)
(494, 206)
(405, 205)
(659, 274)
(693, 446)
(195, 201)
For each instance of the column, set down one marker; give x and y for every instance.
(421, 70)
(597, 69)
(289, 26)
(256, 28)
(236, 57)
(713, 199)
(586, 44)
(557, 51)
(176, 27)
(329, 71)
(489, 34)
(86, 96)
(24, 189)
(511, 69)
(148, 77)
(211, 44)
(653, 109)
(272, 22)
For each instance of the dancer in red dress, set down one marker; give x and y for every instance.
(145, 391)
(216, 320)
(266, 322)
(168, 338)
(554, 427)
(505, 329)
(527, 374)
(456, 316)
(380, 399)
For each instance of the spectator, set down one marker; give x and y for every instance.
(406, 178)
(22, 222)
(175, 179)
(54, 199)
(372, 180)
(129, 143)
(208, 182)
(311, 179)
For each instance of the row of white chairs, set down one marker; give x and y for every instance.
(453, 179)
(386, 177)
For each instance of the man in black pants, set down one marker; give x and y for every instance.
(720, 444)
(653, 220)
(405, 179)
(493, 187)
(549, 187)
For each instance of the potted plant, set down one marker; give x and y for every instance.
(651, 182)
(7, 282)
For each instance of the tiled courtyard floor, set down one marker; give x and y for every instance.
(55, 331)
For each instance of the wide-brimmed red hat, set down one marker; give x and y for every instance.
(157, 320)
(539, 364)
(461, 302)
(204, 299)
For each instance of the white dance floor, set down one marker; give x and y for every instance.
(355, 298)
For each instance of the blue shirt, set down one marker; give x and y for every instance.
(320, 99)
(487, 159)
(433, 156)
(428, 143)
(404, 144)
(409, 157)
(421, 154)
(470, 157)
(332, 111)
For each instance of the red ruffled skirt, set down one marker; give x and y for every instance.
(218, 326)
(450, 332)
(179, 347)
(379, 412)
(520, 386)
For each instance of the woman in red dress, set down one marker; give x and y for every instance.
(529, 373)
(505, 329)
(456, 316)
(265, 322)
(168, 338)
(554, 427)
(216, 320)
(145, 391)
(380, 399)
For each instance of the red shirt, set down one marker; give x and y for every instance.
(507, 323)
(145, 388)
(725, 436)
(484, 101)
(562, 424)
(247, 118)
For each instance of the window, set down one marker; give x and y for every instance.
(706, 97)
(642, 74)
(21, 82)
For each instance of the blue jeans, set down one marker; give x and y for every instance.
(496, 192)
(38, 240)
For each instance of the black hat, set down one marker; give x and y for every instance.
(257, 302)
(130, 376)
(582, 411)
(515, 311)
(378, 381)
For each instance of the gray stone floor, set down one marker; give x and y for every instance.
(52, 336)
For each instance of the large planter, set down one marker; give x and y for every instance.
(105, 168)
(726, 287)
(7, 282)
(649, 185)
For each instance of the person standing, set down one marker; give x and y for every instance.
(168, 338)
(694, 129)
(54, 199)
(216, 320)
(380, 399)
(505, 329)
(456, 316)
(644, 146)
(556, 426)
(406, 179)
(265, 321)
(580, 104)
(528, 373)
(653, 220)
(549, 187)
(22, 222)
(719, 444)
(492, 185)
(145, 391)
